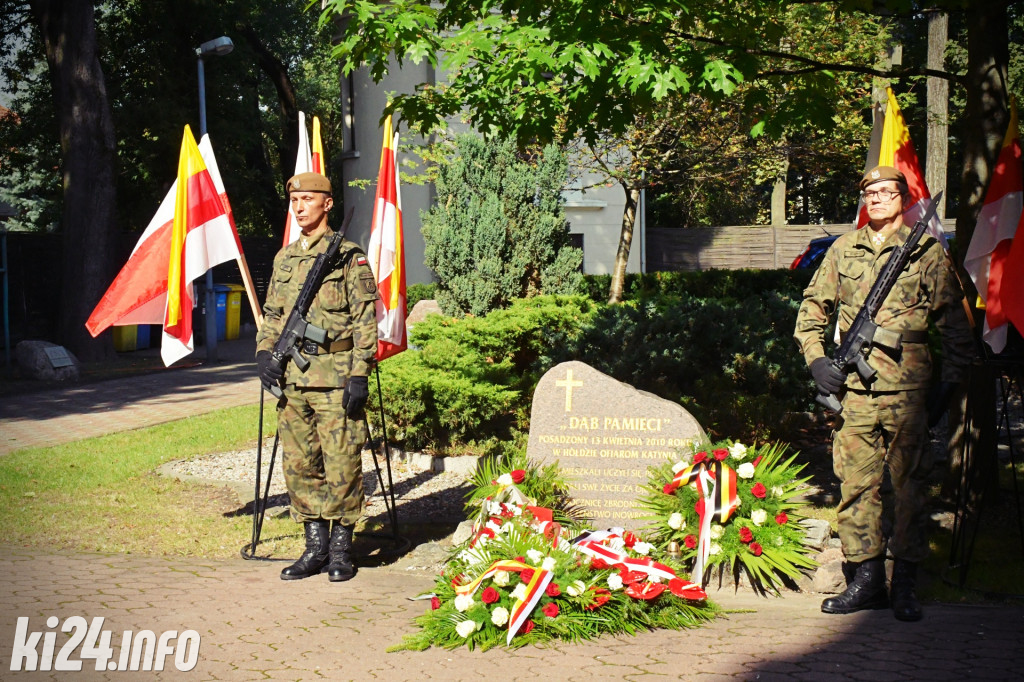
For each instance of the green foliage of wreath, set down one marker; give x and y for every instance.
(762, 537)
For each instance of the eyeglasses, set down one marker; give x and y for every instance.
(881, 195)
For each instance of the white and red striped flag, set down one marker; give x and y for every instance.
(995, 257)
(303, 164)
(387, 251)
(895, 148)
(192, 231)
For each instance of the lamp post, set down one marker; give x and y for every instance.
(211, 48)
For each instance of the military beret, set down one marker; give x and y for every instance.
(308, 182)
(881, 174)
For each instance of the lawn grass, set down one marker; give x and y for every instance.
(103, 495)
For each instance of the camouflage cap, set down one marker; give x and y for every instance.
(881, 174)
(308, 182)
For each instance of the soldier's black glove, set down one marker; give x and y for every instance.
(357, 391)
(829, 379)
(271, 372)
(938, 400)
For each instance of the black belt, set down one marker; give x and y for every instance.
(310, 347)
(908, 336)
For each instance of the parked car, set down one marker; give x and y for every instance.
(814, 253)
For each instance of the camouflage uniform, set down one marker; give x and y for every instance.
(886, 422)
(321, 445)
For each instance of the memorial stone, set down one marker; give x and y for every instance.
(605, 434)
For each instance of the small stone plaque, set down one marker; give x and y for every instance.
(605, 434)
(58, 356)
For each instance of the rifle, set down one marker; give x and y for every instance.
(297, 329)
(864, 333)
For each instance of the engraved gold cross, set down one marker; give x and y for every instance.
(569, 384)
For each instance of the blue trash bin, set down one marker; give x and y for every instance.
(220, 292)
(142, 337)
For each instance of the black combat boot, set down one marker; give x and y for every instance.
(865, 591)
(341, 567)
(904, 602)
(316, 555)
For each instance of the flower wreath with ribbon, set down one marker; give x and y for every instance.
(729, 505)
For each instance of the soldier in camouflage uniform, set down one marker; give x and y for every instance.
(885, 422)
(321, 420)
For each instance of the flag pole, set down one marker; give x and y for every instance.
(250, 289)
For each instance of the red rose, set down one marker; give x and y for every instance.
(700, 457)
(759, 491)
(720, 454)
(601, 596)
(517, 475)
(629, 539)
(527, 626)
(489, 596)
(553, 590)
(669, 488)
(690, 541)
(781, 518)
(435, 603)
(755, 549)
(598, 564)
(550, 610)
(526, 575)
(746, 535)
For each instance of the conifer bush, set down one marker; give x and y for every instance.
(497, 231)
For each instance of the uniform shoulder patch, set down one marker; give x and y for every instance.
(361, 260)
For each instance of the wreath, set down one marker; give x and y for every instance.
(729, 505)
(530, 574)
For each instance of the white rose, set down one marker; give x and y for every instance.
(714, 548)
(737, 450)
(466, 628)
(615, 581)
(745, 470)
(758, 516)
(777, 490)
(548, 564)
(717, 531)
(500, 578)
(499, 616)
(519, 593)
(463, 602)
(505, 479)
(642, 548)
(676, 521)
(534, 556)
(576, 588)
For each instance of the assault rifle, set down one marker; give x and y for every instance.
(297, 329)
(864, 333)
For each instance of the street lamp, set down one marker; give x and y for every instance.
(211, 48)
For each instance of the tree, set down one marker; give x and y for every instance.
(498, 232)
(555, 70)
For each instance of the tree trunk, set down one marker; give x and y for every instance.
(987, 112)
(779, 194)
(277, 72)
(937, 146)
(88, 223)
(625, 240)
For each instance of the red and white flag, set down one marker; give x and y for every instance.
(893, 147)
(995, 257)
(387, 252)
(192, 231)
(303, 164)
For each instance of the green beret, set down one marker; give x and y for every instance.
(881, 174)
(308, 182)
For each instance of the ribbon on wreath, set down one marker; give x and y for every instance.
(523, 607)
(716, 483)
(592, 544)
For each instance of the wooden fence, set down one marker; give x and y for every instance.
(760, 247)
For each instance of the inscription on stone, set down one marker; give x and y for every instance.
(605, 434)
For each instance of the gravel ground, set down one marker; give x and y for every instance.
(421, 495)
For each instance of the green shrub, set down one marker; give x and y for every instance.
(419, 292)
(497, 231)
(468, 382)
(732, 284)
